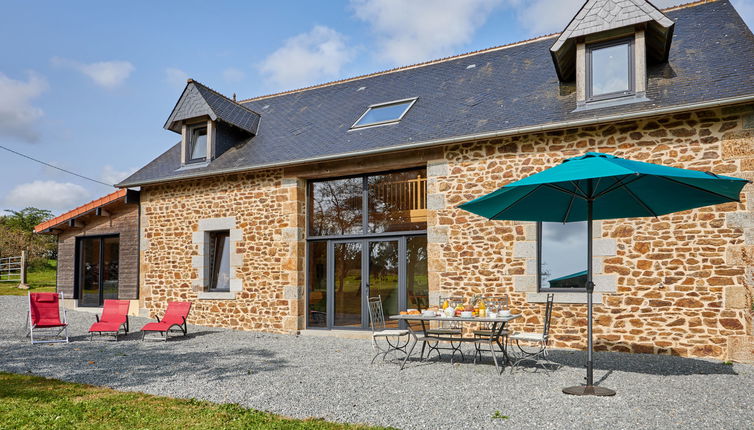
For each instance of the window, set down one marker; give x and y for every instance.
(197, 150)
(384, 113)
(369, 204)
(610, 70)
(562, 252)
(219, 259)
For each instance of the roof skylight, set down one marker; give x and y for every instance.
(384, 113)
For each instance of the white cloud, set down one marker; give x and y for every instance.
(409, 32)
(307, 58)
(56, 196)
(176, 77)
(111, 175)
(17, 115)
(107, 74)
(232, 75)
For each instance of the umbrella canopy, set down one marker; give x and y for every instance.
(602, 186)
(619, 188)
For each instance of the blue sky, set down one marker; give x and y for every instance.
(88, 85)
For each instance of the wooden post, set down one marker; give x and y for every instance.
(23, 284)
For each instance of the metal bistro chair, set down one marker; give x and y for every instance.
(377, 323)
(446, 329)
(498, 303)
(540, 341)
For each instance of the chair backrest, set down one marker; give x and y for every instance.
(499, 302)
(44, 306)
(548, 315)
(115, 310)
(177, 312)
(452, 300)
(376, 314)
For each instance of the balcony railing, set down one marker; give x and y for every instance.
(403, 196)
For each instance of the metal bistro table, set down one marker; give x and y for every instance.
(496, 331)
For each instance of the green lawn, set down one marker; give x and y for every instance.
(40, 279)
(31, 402)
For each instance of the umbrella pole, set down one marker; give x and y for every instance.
(589, 389)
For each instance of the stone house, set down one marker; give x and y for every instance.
(285, 212)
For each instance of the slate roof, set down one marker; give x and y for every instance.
(510, 90)
(603, 15)
(198, 99)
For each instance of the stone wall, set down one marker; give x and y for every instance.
(679, 284)
(266, 239)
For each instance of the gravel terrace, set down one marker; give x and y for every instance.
(331, 378)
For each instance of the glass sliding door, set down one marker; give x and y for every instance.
(384, 276)
(98, 269)
(366, 238)
(89, 272)
(110, 258)
(347, 288)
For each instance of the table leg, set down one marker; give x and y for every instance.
(413, 344)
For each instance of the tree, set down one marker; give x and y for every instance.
(26, 219)
(17, 234)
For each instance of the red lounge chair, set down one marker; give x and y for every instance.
(44, 314)
(114, 317)
(175, 316)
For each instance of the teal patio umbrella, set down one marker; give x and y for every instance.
(598, 186)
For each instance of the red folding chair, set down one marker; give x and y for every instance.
(44, 315)
(114, 317)
(175, 317)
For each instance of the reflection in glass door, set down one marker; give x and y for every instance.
(347, 286)
(384, 277)
(98, 269)
(89, 257)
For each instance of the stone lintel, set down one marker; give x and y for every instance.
(575, 298)
(216, 295)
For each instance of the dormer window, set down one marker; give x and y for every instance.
(197, 144)
(610, 69)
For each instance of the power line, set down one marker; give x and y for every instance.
(55, 167)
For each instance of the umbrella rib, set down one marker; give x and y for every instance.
(700, 189)
(617, 185)
(568, 211)
(563, 190)
(580, 190)
(639, 201)
(517, 200)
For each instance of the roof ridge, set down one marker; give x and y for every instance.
(401, 68)
(443, 59)
(195, 82)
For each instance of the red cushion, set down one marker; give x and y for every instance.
(105, 326)
(48, 322)
(156, 326)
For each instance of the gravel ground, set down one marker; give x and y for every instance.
(332, 379)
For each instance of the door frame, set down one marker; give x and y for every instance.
(77, 265)
(365, 287)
